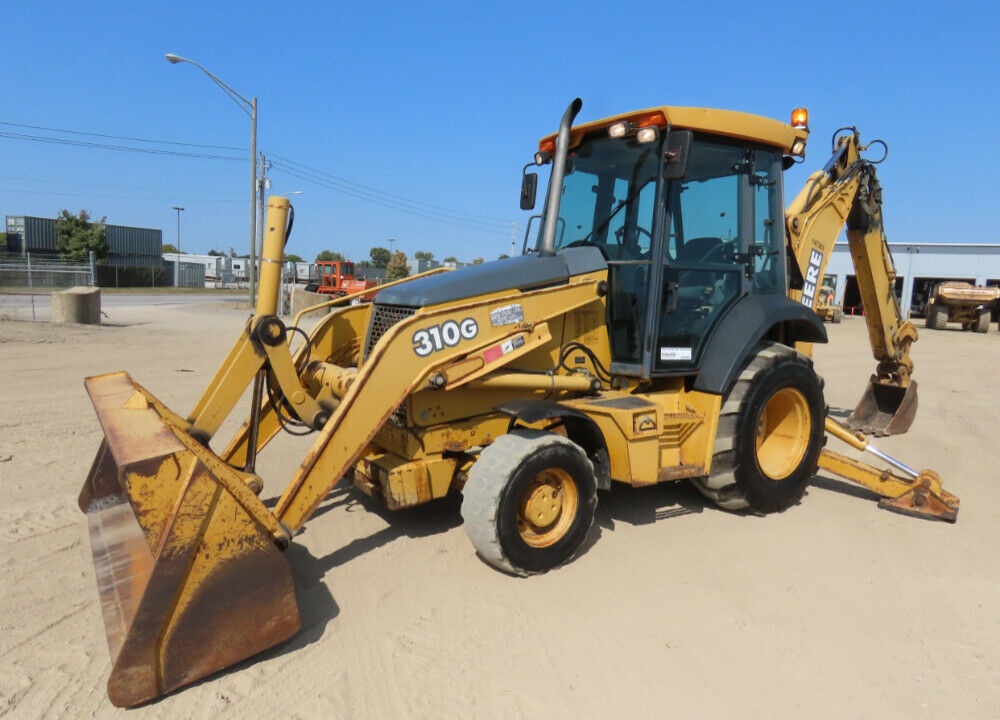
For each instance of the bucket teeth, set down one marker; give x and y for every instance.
(884, 409)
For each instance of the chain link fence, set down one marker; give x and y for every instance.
(23, 275)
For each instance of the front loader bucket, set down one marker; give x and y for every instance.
(884, 409)
(189, 572)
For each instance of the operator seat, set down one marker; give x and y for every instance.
(701, 250)
(629, 276)
(702, 291)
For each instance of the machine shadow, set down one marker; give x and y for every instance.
(833, 484)
(646, 505)
(317, 606)
(839, 413)
(641, 506)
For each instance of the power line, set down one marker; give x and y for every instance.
(389, 196)
(123, 148)
(19, 185)
(458, 218)
(167, 195)
(412, 207)
(118, 137)
(493, 228)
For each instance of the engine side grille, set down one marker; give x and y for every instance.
(383, 317)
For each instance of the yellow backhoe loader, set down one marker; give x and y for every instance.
(660, 329)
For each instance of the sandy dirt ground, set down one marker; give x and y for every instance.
(831, 609)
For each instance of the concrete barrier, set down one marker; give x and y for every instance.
(77, 305)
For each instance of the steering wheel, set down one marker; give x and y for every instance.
(637, 250)
(620, 233)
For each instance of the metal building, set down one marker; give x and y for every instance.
(919, 267)
(127, 246)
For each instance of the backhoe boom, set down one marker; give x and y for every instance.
(847, 193)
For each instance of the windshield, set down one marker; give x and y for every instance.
(608, 196)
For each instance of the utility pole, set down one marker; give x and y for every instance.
(391, 241)
(262, 184)
(513, 236)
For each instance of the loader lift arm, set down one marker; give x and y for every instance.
(847, 192)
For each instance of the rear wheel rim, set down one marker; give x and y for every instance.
(547, 507)
(782, 434)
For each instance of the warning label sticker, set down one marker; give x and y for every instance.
(508, 346)
(675, 353)
(507, 315)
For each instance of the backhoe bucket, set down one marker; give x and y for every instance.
(187, 560)
(884, 409)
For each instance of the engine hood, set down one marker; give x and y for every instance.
(523, 273)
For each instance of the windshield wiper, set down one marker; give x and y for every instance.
(608, 219)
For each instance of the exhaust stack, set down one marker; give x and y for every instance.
(556, 179)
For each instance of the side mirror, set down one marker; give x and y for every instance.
(676, 149)
(529, 190)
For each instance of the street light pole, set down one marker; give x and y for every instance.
(177, 264)
(179, 211)
(250, 108)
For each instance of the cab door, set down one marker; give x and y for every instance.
(723, 239)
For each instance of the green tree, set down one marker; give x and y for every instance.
(216, 253)
(77, 236)
(330, 255)
(397, 267)
(503, 256)
(380, 257)
(423, 255)
(291, 257)
(169, 248)
(450, 258)
(476, 261)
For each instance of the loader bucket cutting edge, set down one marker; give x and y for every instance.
(884, 409)
(189, 577)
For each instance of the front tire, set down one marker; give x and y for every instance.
(770, 434)
(937, 316)
(529, 501)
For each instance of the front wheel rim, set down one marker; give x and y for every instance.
(547, 507)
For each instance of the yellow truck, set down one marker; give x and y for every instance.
(961, 302)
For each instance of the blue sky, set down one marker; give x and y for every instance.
(431, 110)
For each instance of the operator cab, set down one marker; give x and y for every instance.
(688, 222)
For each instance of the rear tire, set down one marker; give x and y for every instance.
(770, 434)
(983, 323)
(529, 501)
